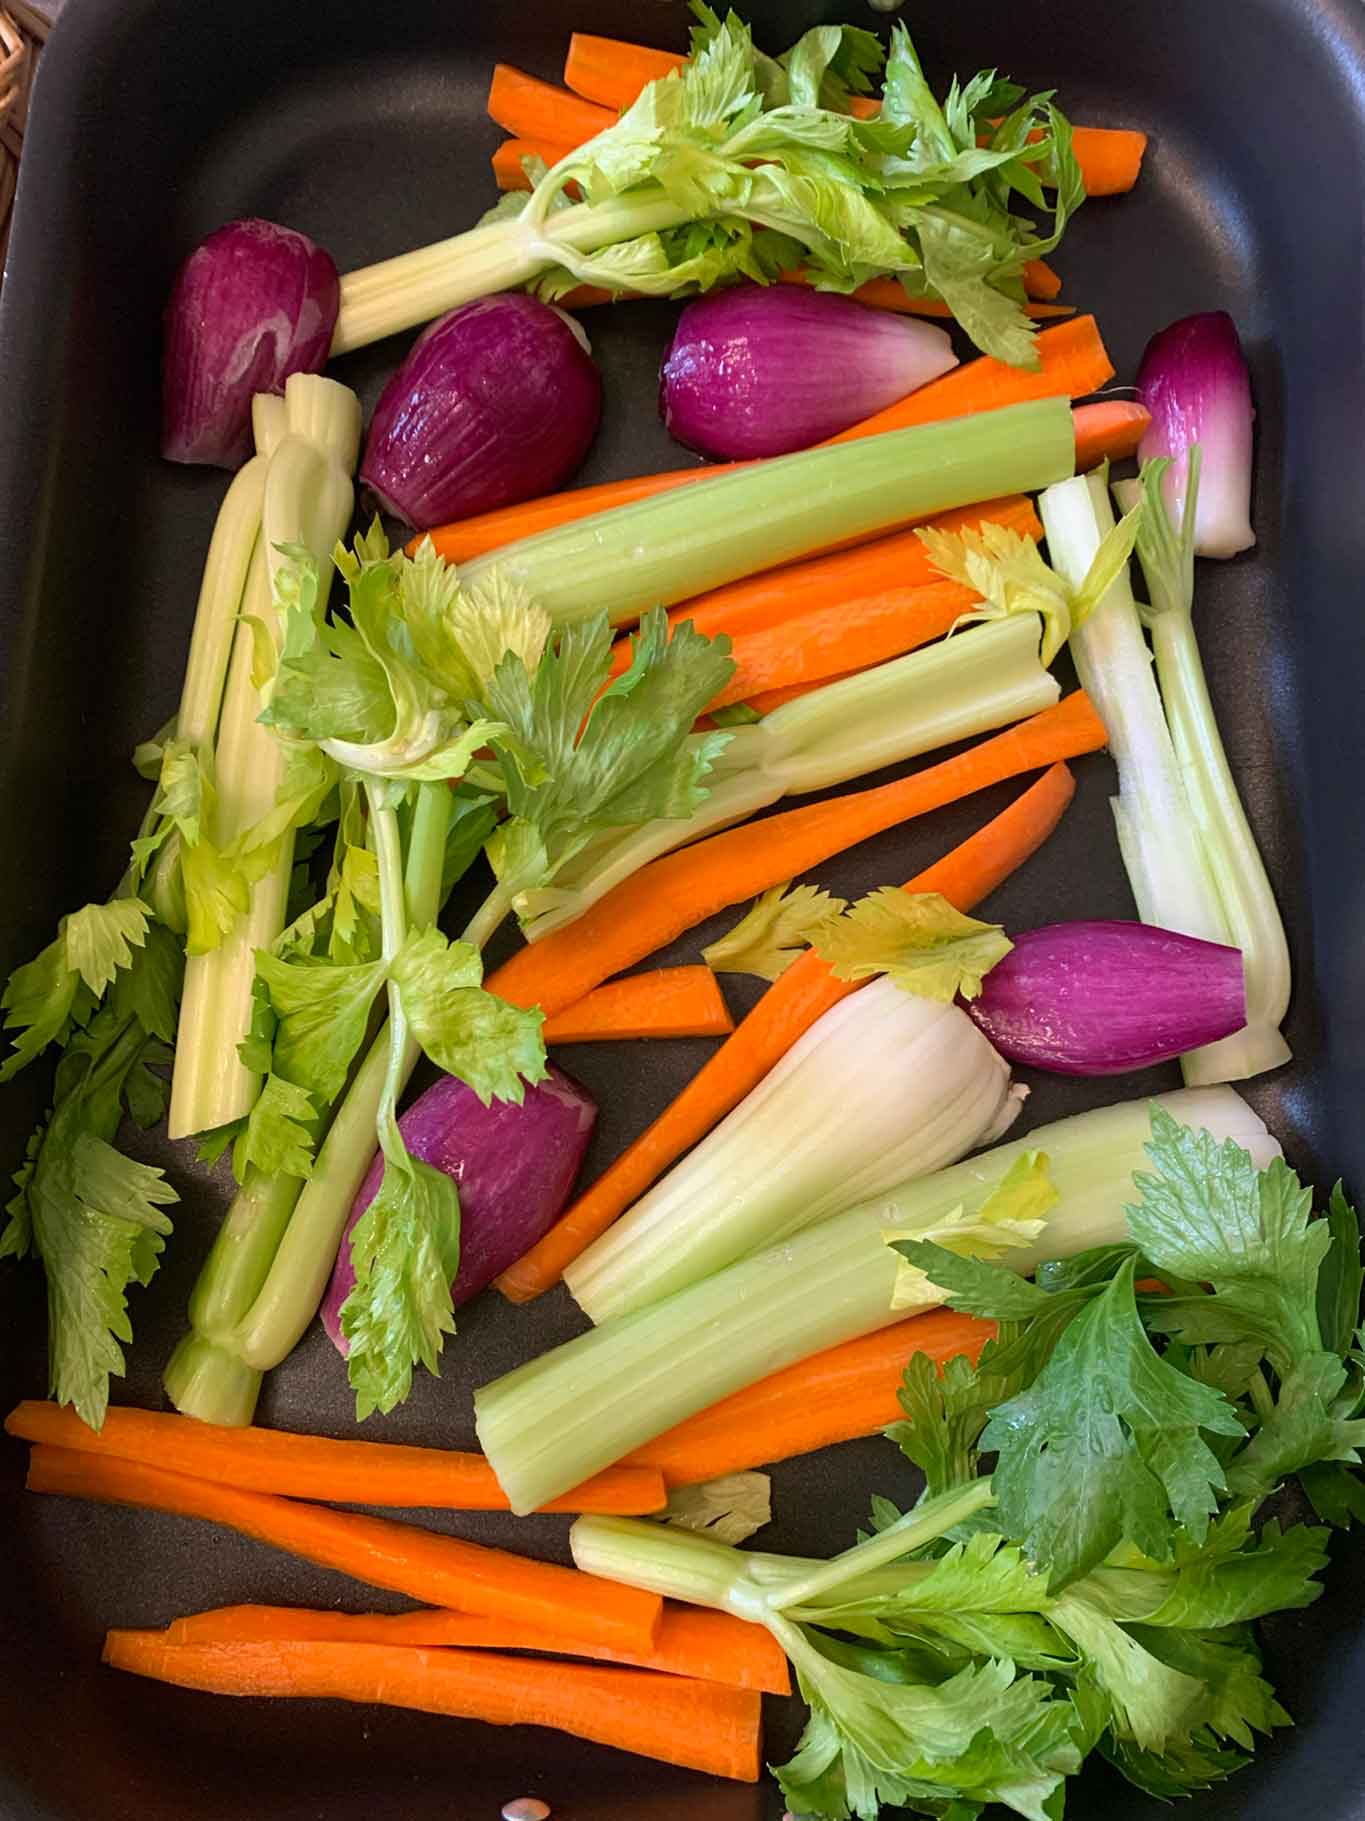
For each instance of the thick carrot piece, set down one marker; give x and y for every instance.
(777, 597)
(1041, 281)
(675, 893)
(690, 1641)
(788, 1008)
(676, 1720)
(670, 1002)
(531, 109)
(507, 167)
(315, 1466)
(1108, 431)
(1110, 158)
(1073, 362)
(612, 72)
(442, 1570)
(834, 1396)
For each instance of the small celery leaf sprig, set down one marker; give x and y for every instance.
(1007, 571)
(741, 165)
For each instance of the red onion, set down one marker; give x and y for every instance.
(252, 304)
(764, 370)
(514, 1167)
(496, 403)
(1194, 381)
(1102, 998)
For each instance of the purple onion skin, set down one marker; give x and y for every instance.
(496, 403)
(1104, 998)
(1194, 381)
(513, 1165)
(764, 370)
(252, 304)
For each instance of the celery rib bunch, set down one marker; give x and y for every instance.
(742, 165)
(1085, 1564)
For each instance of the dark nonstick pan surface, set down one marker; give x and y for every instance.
(364, 126)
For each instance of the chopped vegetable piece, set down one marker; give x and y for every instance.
(671, 1718)
(667, 1002)
(835, 1396)
(612, 72)
(1109, 430)
(779, 1019)
(312, 1466)
(1193, 379)
(534, 109)
(711, 1646)
(441, 1569)
(675, 893)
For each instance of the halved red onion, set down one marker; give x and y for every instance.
(1194, 381)
(1102, 998)
(496, 403)
(766, 369)
(513, 1166)
(252, 304)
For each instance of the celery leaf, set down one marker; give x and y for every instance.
(918, 940)
(730, 1509)
(323, 1010)
(773, 931)
(276, 1136)
(495, 1047)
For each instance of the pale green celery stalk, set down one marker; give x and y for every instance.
(1253, 917)
(400, 293)
(918, 1087)
(981, 679)
(1158, 839)
(679, 543)
(307, 500)
(262, 1282)
(559, 1419)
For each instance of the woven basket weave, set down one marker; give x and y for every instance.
(22, 32)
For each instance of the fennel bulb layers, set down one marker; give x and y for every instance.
(884, 1087)
(559, 1419)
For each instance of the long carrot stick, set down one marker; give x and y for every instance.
(672, 1718)
(789, 1007)
(690, 1641)
(675, 893)
(769, 699)
(668, 1002)
(442, 1570)
(888, 294)
(314, 1466)
(531, 109)
(834, 1396)
(1073, 362)
(775, 597)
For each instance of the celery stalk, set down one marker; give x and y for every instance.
(561, 1418)
(1159, 841)
(791, 1153)
(306, 499)
(977, 681)
(677, 544)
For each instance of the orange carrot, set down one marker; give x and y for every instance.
(768, 699)
(314, 1466)
(442, 1570)
(877, 293)
(508, 172)
(1108, 431)
(672, 1718)
(788, 1008)
(1073, 362)
(612, 72)
(675, 893)
(690, 1641)
(835, 1396)
(1040, 280)
(670, 1002)
(1110, 158)
(531, 109)
(888, 294)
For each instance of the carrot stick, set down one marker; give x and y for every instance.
(669, 1002)
(887, 294)
(612, 72)
(1040, 280)
(690, 1641)
(1110, 158)
(768, 699)
(531, 109)
(671, 1718)
(509, 175)
(1073, 362)
(682, 889)
(835, 1396)
(788, 1008)
(442, 1570)
(314, 1466)
(1108, 431)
